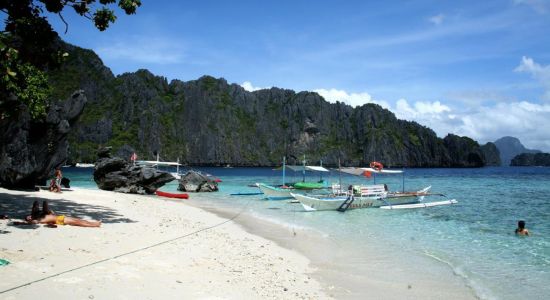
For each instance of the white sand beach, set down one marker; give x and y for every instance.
(152, 248)
(143, 250)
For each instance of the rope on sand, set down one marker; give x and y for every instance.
(128, 253)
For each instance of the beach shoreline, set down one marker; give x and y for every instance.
(143, 250)
(393, 279)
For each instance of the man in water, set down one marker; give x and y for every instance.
(521, 230)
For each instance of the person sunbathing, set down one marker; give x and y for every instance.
(46, 216)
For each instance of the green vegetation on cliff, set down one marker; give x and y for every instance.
(210, 122)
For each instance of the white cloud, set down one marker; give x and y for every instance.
(420, 109)
(540, 6)
(540, 73)
(484, 123)
(143, 50)
(353, 99)
(437, 19)
(247, 85)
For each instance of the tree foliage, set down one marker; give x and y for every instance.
(29, 46)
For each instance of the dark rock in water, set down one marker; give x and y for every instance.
(492, 155)
(31, 149)
(117, 174)
(194, 181)
(531, 159)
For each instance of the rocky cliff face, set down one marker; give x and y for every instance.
(509, 147)
(492, 155)
(211, 122)
(531, 159)
(31, 149)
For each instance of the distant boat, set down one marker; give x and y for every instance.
(84, 165)
(283, 191)
(156, 163)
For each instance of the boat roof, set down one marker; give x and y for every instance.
(360, 171)
(157, 163)
(298, 168)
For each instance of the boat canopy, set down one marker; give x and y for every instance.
(302, 168)
(157, 163)
(307, 168)
(361, 171)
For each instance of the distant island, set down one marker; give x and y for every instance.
(211, 122)
(531, 159)
(509, 147)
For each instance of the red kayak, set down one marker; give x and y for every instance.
(172, 195)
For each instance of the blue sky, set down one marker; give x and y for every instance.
(475, 68)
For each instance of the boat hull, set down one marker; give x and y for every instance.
(274, 193)
(314, 203)
(172, 195)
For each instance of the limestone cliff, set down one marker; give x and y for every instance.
(211, 122)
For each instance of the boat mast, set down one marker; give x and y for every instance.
(321, 163)
(304, 170)
(284, 169)
(403, 179)
(339, 173)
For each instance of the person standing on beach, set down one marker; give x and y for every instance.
(521, 230)
(55, 185)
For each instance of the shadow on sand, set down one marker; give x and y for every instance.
(19, 206)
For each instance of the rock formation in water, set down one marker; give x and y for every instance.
(117, 174)
(509, 147)
(31, 149)
(196, 182)
(531, 159)
(211, 122)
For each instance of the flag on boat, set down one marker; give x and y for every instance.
(133, 157)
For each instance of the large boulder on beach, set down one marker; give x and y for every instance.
(194, 181)
(30, 149)
(119, 175)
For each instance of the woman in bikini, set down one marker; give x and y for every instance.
(46, 216)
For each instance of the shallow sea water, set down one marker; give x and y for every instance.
(475, 238)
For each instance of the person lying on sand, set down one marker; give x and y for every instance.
(46, 216)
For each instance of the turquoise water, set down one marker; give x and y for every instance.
(474, 238)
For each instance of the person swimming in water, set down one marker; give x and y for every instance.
(46, 216)
(521, 230)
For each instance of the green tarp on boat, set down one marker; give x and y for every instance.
(309, 185)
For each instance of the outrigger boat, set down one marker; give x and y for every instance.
(157, 163)
(366, 196)
(283, 191)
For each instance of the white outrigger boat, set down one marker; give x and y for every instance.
(157, 163)
(367, 196)
(275, 193)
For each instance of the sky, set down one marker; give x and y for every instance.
(474, 68)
